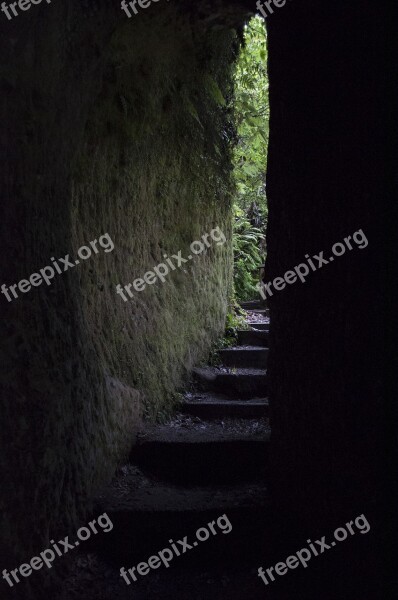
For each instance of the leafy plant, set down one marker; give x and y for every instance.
(251, 110)
(247, 240)
(234, 321)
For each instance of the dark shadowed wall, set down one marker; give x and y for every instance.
(326, 180)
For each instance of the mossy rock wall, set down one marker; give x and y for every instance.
(112, 126)
(153, 171)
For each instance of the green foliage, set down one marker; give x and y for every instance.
(251, 110)
(247, 240)
(213, 89)
(252, 117)
(234, 321)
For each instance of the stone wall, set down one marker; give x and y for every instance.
(113, 126)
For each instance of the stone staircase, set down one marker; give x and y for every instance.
(209, 461)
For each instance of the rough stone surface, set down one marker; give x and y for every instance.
(112, 126)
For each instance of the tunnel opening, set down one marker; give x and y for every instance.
(251, 106)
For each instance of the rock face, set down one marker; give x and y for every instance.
(112, 126)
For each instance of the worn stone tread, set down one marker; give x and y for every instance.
(132, 491)
(233, 382)
(263, 326)
(215, 406)
(253, 338)
(244, 356)
(205, 432)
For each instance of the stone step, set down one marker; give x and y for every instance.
(146, 514)
(245, 356)
(203, 452)
(251, 305)
(264, 312)
(260, 326)
(216, 406)
(234, 383)
(253, 337)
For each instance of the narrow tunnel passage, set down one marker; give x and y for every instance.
(116, 156)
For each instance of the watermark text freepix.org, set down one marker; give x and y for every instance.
(302, 270)
(318, 547)
(59, 548)
(268, 4)
(10, 10)
(165, 556)
(160, 272)
(63, 264)
(131, 7)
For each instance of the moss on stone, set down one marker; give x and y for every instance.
(152, 167)
(113, 127)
